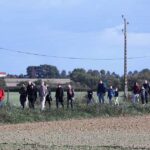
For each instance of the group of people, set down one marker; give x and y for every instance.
(101, 92)
(30, 93)
(141, 92)
(138, 92)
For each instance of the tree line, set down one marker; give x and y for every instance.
(84, 79)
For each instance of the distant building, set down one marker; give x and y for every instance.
(3, 74)
(13, 82)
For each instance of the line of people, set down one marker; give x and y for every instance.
(138, 93)
(30, 93)
(141, 92)
(112, 94)
(101, 92)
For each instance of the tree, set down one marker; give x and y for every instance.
(2, 83)
(63, 74)
(42, 71)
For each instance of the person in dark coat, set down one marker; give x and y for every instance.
(23, 95)
(147, 90)
(48, 98)
(31, 94)
(70, 96)
(59, 96)
(90, 96)
(136, 92)
(35, 92)
(101, 90)
(142, 93)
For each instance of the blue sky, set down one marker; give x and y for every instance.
(73, 28)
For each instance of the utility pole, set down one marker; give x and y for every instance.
(125, 58)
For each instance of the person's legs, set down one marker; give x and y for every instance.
(49, 103)
(100, 98)
(137, 97)
(67, 102)
(22, 101)
(30, 102)
(110, 100)
(57, 101)
(142, 99)
(134, 99)
(42, 103)
(71, 102)
(117, 101)
(146, 97)
(62, 104)
(1, 104)
(26, 103)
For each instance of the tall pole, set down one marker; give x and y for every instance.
(125, 59)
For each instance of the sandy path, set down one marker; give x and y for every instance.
(121, 131)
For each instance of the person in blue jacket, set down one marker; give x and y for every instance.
(110, 94)
(101, 90)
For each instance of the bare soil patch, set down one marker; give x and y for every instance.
(98, 133)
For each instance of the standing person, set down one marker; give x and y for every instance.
(42, 95)
(31, 94)
(35, 92)
(48, 98)
(147, 90)
(23, 95)
(59, 96)
(101, 90)
(143, 99)
(70, 96)
(90, 96)
(110, 94)
(116, 95)
(136, 92)
(2, 96)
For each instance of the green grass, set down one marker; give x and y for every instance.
(12, 112)
(17, 115)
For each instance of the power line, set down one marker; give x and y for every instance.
(71, 58)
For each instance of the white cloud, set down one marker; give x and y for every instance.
(139, 39)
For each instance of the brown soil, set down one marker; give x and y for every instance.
(121, 132)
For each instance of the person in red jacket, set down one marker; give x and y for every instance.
(136, 92)
(2, 95)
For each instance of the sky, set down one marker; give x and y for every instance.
(73, 28)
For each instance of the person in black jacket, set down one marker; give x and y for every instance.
(31, 94)
(70, 96)
(49, 98)
(147, 90)
(101, 90)
(90, 97)
(59, 96)
(23, 95)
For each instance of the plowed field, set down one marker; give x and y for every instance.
(99, 133)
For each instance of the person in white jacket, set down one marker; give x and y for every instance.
(42, 94)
